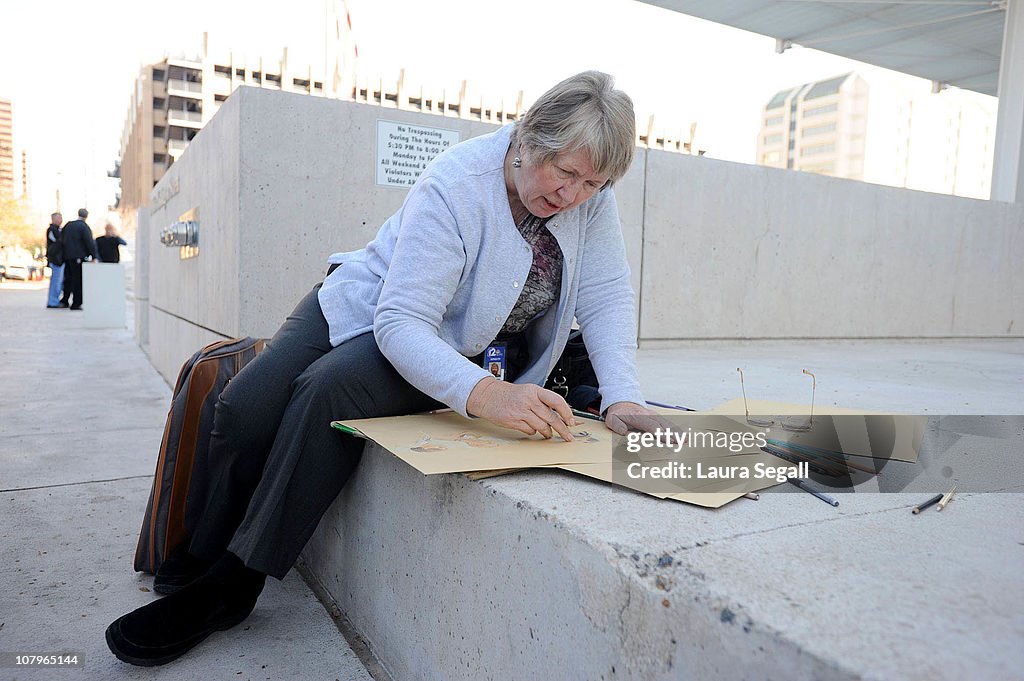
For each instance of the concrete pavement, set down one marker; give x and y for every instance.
(81, 416)
(609, 582)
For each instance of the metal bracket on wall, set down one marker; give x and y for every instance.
(184, 234)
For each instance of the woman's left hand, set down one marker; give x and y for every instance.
(623, 416)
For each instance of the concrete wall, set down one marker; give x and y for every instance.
(717, 249)
(280, 181)
(739, 251)
(142, 260)
(311, 196)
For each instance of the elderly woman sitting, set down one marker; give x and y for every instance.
(503, 240)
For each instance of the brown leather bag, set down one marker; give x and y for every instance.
(180, 484)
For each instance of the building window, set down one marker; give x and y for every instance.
(222, 70)
(158, 102)
(240, 73)
(158, 75)
(317, 85)
(773, 139)
(821, 110)
(771, 157)
(159, 158)
(825, 168)
(819, 129)
(774, 120)
(187, 74)
(159, 131)
(274, 78)
(257, 76)
(300, 83)
(219, 98)
(816, 149)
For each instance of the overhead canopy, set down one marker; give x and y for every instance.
(957, 42)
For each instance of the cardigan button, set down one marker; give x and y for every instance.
(515, 284)
(478, 346)
(497, 318)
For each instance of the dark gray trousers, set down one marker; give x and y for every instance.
(275, 464)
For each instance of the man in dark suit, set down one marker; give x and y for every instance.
(78, 245)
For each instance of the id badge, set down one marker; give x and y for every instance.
(494, 360)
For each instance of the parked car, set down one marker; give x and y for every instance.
(17, 263)
(17, 271)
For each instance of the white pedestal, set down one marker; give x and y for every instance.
(103, 295)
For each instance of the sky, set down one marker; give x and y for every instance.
(69, 66)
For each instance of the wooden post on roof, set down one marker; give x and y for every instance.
(401, 96)
(463, 104)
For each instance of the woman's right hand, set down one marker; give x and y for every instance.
(525, 407)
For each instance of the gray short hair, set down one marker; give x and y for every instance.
(584, 111)
(83, 213)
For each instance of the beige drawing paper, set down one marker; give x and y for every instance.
(705, 499)
(450, 443)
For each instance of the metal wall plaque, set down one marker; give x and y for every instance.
(404, 150)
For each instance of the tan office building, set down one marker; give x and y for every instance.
(817, 127)
(6, 150)
(172, 101)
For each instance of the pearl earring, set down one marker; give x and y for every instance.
(517, 162)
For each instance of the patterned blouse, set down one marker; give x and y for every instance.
(544, 283)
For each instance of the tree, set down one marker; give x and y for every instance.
(18, 228)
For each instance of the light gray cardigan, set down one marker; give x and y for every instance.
(443, 273)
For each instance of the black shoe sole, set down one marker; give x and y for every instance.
(166, 589)
(114, 631)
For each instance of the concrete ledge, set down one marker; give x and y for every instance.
(545, 575)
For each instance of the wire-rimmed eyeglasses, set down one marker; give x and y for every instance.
(796, 424)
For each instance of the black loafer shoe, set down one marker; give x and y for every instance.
(154, 650)
(167, 628)
(178, 571)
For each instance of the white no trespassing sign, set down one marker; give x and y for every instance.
(404, 150)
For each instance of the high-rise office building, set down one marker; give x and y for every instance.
(6, 150)
(817, 127)
(940, 142)
(174, 98)
(24, 174)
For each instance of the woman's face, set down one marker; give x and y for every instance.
(546, 188)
